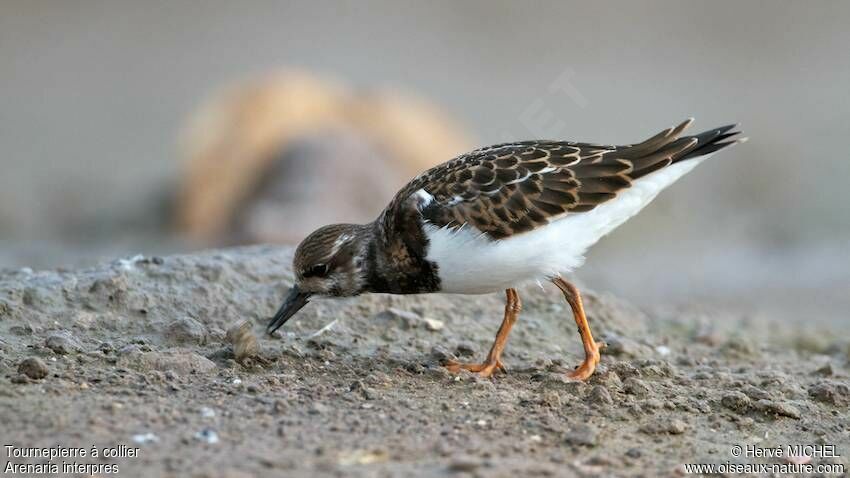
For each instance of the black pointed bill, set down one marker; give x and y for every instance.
(293, 303)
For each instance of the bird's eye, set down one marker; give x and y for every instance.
(318, 270)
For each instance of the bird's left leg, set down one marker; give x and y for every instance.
(591, 347)
(493, 362)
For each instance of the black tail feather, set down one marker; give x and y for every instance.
(711, 141)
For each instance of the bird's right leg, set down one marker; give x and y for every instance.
(493, 362)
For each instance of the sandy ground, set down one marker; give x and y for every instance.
(135, 353)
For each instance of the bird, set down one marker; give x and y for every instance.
(494, 219)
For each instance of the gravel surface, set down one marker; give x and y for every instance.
(140, 352)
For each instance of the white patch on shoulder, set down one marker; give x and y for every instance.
(424, 198)
(470, 263)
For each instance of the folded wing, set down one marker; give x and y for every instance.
(512, 188)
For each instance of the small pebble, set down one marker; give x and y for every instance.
(606, 377)
(61, 343)
(362, 389)
(439, 355)
(826, 370)
(600, 395)
(625, 369)
(142, 438)
(186, 330)
(279, 406)
(736, 401)
(783, 409)
(582, 435)
(207, 436)
(433, 325)
(551, 399)
(464, 350)
(832, 393)
(33, 367)
(463, 465)
(25, 329)
(677, 427)
(362, 457)
(622, 347)
(745, 423)
(5, 308)
(400, 318)
(636, 387)
(797, 460)
(755, 393)
(180, 361)
(663, 425)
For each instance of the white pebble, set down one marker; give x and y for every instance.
(208, 436)
(130, 263)
(148, 437)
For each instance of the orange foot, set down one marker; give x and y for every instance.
(485, 369)
(591, 360)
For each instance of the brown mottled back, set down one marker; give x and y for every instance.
(513, 188)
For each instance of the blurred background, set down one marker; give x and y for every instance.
(159, 127)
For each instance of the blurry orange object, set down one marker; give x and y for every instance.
(237, 138)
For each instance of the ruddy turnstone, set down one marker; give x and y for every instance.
(495, 218)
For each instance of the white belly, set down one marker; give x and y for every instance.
(470, 263)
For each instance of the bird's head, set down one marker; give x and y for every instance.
(330, 263)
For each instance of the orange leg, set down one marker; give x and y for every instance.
(591, 348)
(493, 361)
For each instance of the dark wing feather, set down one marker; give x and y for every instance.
(513, 188)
